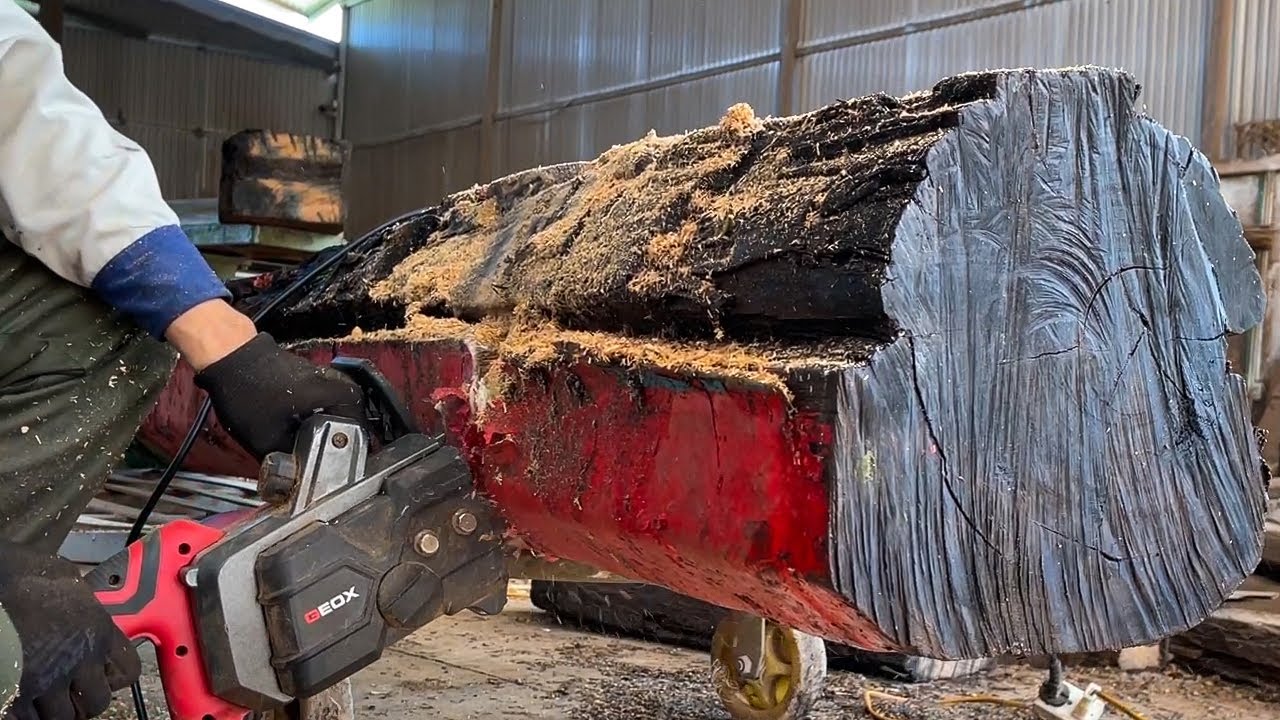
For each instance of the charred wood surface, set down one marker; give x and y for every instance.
(282, 180)
(1042, 449)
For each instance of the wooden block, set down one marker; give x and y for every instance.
(284, 180)
(1145, 657)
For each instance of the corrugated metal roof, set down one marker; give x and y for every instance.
(1255, 89)
(207, 23)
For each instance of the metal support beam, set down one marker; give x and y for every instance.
(51, 18)
(792, 16)
(344, 55)
(492, 93)
(1217, 81)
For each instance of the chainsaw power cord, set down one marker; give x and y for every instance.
(1051, 691)
(140, 524)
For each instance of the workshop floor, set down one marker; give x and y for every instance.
(521, 664)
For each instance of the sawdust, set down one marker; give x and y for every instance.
(429, 277)
(423, 327)
(538, 347)
(764, 365)
(741, 119)
(724, 252)
(674, 236)
(668, 258)
(544, 345)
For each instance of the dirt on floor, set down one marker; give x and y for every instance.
(521, 664)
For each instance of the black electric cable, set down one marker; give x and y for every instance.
(1052, 690)
(140, 524)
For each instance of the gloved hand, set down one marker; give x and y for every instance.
(262, 393)
(73, 655)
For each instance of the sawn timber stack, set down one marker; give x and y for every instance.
(942, 374)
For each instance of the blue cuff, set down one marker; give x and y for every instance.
(157, 278)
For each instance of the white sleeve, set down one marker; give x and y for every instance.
(74, 191)
(79, 196)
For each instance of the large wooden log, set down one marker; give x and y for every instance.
(1009, 297)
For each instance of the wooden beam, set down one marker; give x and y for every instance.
(1217, 80)
(344, 59)
(51, 18)
(789, 42)
(1262, 238)
(1226, 168)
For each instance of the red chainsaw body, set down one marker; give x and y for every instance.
(143, 590)
(715, 490)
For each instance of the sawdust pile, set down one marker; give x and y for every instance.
(667, 235)
(543, 345)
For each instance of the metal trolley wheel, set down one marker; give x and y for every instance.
(764, 671)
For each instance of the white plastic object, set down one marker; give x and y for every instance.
(1081, 704)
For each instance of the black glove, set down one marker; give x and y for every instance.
(262, 393)
(73, 655)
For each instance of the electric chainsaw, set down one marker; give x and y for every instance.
(370, 531)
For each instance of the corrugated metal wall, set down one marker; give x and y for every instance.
(1255, 62)
(415, 90)
(1162, 42)
(576, 76)
(181, 102)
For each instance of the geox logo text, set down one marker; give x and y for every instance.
(330, 605)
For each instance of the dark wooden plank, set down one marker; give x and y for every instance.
(652, 613)
(1037, 445)
(1239, 642)
(283, 180)
(1270, 565)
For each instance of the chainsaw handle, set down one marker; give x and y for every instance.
(142, 588)
(386, 411)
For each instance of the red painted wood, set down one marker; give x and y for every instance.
(714, 492)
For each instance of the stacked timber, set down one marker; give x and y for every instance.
(1008, 296)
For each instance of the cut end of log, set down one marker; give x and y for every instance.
(1038, 447)
(1055, 441)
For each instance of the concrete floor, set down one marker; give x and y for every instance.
(521, 664)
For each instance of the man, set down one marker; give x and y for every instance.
(98, 287)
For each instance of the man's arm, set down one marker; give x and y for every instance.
(84, 200)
